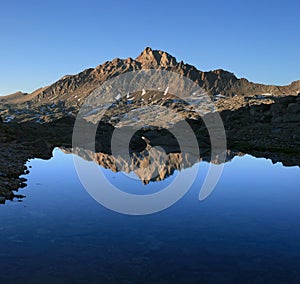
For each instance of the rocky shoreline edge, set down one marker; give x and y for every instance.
(262, 130)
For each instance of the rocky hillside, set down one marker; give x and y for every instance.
(64, 97)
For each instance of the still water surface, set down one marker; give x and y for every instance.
(247, 231)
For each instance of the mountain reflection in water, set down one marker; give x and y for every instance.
(247, 231)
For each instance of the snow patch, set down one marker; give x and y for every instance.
(118, 97)
(166, 90)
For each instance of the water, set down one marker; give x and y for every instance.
(247, 231)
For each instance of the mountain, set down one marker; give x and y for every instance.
(69, 92)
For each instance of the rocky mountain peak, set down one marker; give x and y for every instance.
(150, 58)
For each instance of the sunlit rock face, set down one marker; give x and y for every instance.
(65, 97)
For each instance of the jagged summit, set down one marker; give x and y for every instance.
(153, 58)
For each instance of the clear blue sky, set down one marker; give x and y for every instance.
(43, 40)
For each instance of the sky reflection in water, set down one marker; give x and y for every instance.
(247, 230)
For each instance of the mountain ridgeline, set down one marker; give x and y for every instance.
(73, 89)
